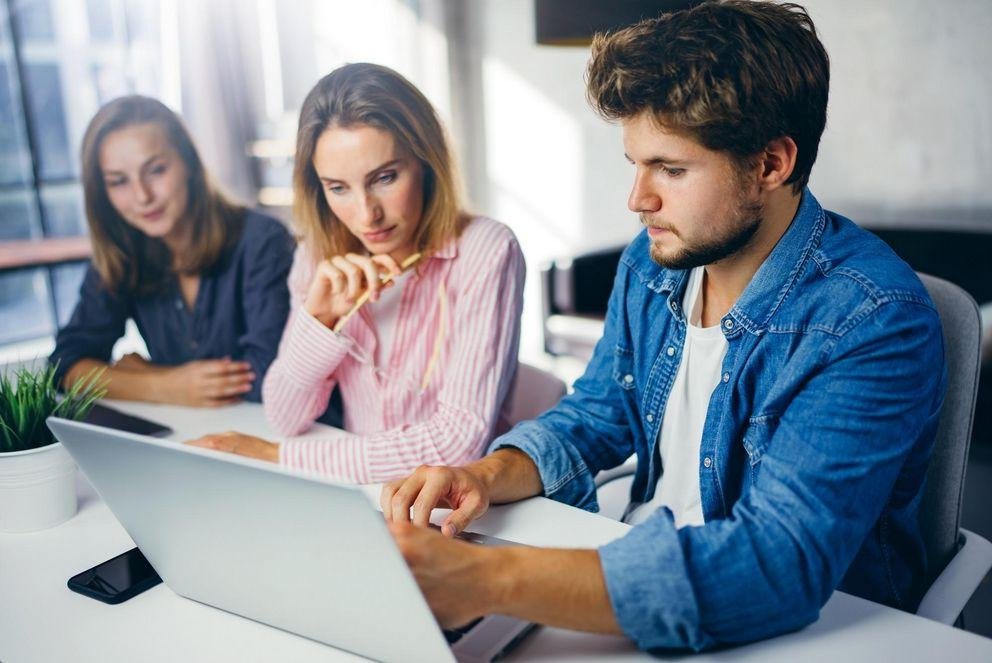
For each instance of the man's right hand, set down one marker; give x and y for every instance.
(459, 488)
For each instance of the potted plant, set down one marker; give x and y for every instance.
(37, 475)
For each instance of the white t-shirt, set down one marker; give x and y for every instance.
(385, 312)
(685, 414)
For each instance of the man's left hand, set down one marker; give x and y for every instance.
(454, 576)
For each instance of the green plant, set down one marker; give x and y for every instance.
(29, 397)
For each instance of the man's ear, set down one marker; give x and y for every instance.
(778, 160)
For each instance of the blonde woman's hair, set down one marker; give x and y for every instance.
(125, 257)
(371, 95)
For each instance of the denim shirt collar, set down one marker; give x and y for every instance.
(765, 292)
(767, 289)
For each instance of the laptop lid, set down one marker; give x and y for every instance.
(259, 541)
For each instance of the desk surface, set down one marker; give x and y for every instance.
(41, 620)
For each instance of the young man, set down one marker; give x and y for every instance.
(777, 371)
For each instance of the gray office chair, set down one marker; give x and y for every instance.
(535, 391)
(959, 559)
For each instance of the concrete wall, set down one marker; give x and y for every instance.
(908, 140)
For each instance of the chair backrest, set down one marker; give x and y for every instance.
(940, 509)
(536, 391)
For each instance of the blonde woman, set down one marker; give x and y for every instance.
(426, 364)
(204, 279)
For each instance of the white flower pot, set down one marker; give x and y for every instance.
(37, 488)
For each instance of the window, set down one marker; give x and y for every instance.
(59, 61)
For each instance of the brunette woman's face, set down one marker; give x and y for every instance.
(373, 186)
(145, 179)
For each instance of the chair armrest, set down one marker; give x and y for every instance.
(629, 467)
(955, 585)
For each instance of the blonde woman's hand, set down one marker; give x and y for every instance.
(340, 280)
(238, 443)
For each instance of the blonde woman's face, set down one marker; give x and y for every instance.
(373, 186)
(145, 179)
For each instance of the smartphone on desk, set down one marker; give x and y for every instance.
(117, 579)
(108, 417)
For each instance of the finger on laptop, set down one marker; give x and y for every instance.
(430, 495)
(401, 500)
(386, 496)
(471, 507)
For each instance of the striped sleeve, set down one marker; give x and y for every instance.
(300, 380)
(478, 368)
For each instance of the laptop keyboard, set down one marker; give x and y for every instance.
(453, 635)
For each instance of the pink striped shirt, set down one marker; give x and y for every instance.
(394, 426)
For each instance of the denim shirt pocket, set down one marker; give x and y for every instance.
(757, 436)
(623, 368)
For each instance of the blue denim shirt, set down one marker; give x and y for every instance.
(814, 450)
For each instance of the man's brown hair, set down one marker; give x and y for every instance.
(732, 74)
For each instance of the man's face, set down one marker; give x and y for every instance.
(698, 208)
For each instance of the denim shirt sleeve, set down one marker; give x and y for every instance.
(265, 299)
(827, 471)
(588, 430)
(96, 323)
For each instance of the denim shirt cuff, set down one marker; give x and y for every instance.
(564, 474)
(649, 588)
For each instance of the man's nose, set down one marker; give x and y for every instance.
(642, 198)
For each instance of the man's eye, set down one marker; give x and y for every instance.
(673, 172)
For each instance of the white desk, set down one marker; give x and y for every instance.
(42, 621)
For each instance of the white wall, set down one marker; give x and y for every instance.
(909, 133)
(909, 121)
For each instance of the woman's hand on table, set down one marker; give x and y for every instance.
(207, 382)
(240, 444)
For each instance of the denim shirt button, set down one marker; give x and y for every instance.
(728, 323)
(628, 378)
(726, 377)
(707, 462)
(670, 351)
(650, 418)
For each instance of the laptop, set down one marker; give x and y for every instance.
(298, 552)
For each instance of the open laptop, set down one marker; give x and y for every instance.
(297, 552)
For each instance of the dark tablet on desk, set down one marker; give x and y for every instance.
(103, 415)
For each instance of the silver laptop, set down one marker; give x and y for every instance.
(299, 553)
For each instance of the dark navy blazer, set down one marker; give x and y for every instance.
(240, 310)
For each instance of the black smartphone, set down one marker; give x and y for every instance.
(108, 417)
(117, 579)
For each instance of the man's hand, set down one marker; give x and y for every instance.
(207, 382)
(455, 577)
(241, 444)
(462, 581)
(506, 475)
(459, 488)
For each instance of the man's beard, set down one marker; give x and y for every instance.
(748, 218)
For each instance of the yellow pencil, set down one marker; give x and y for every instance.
(364, 297)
